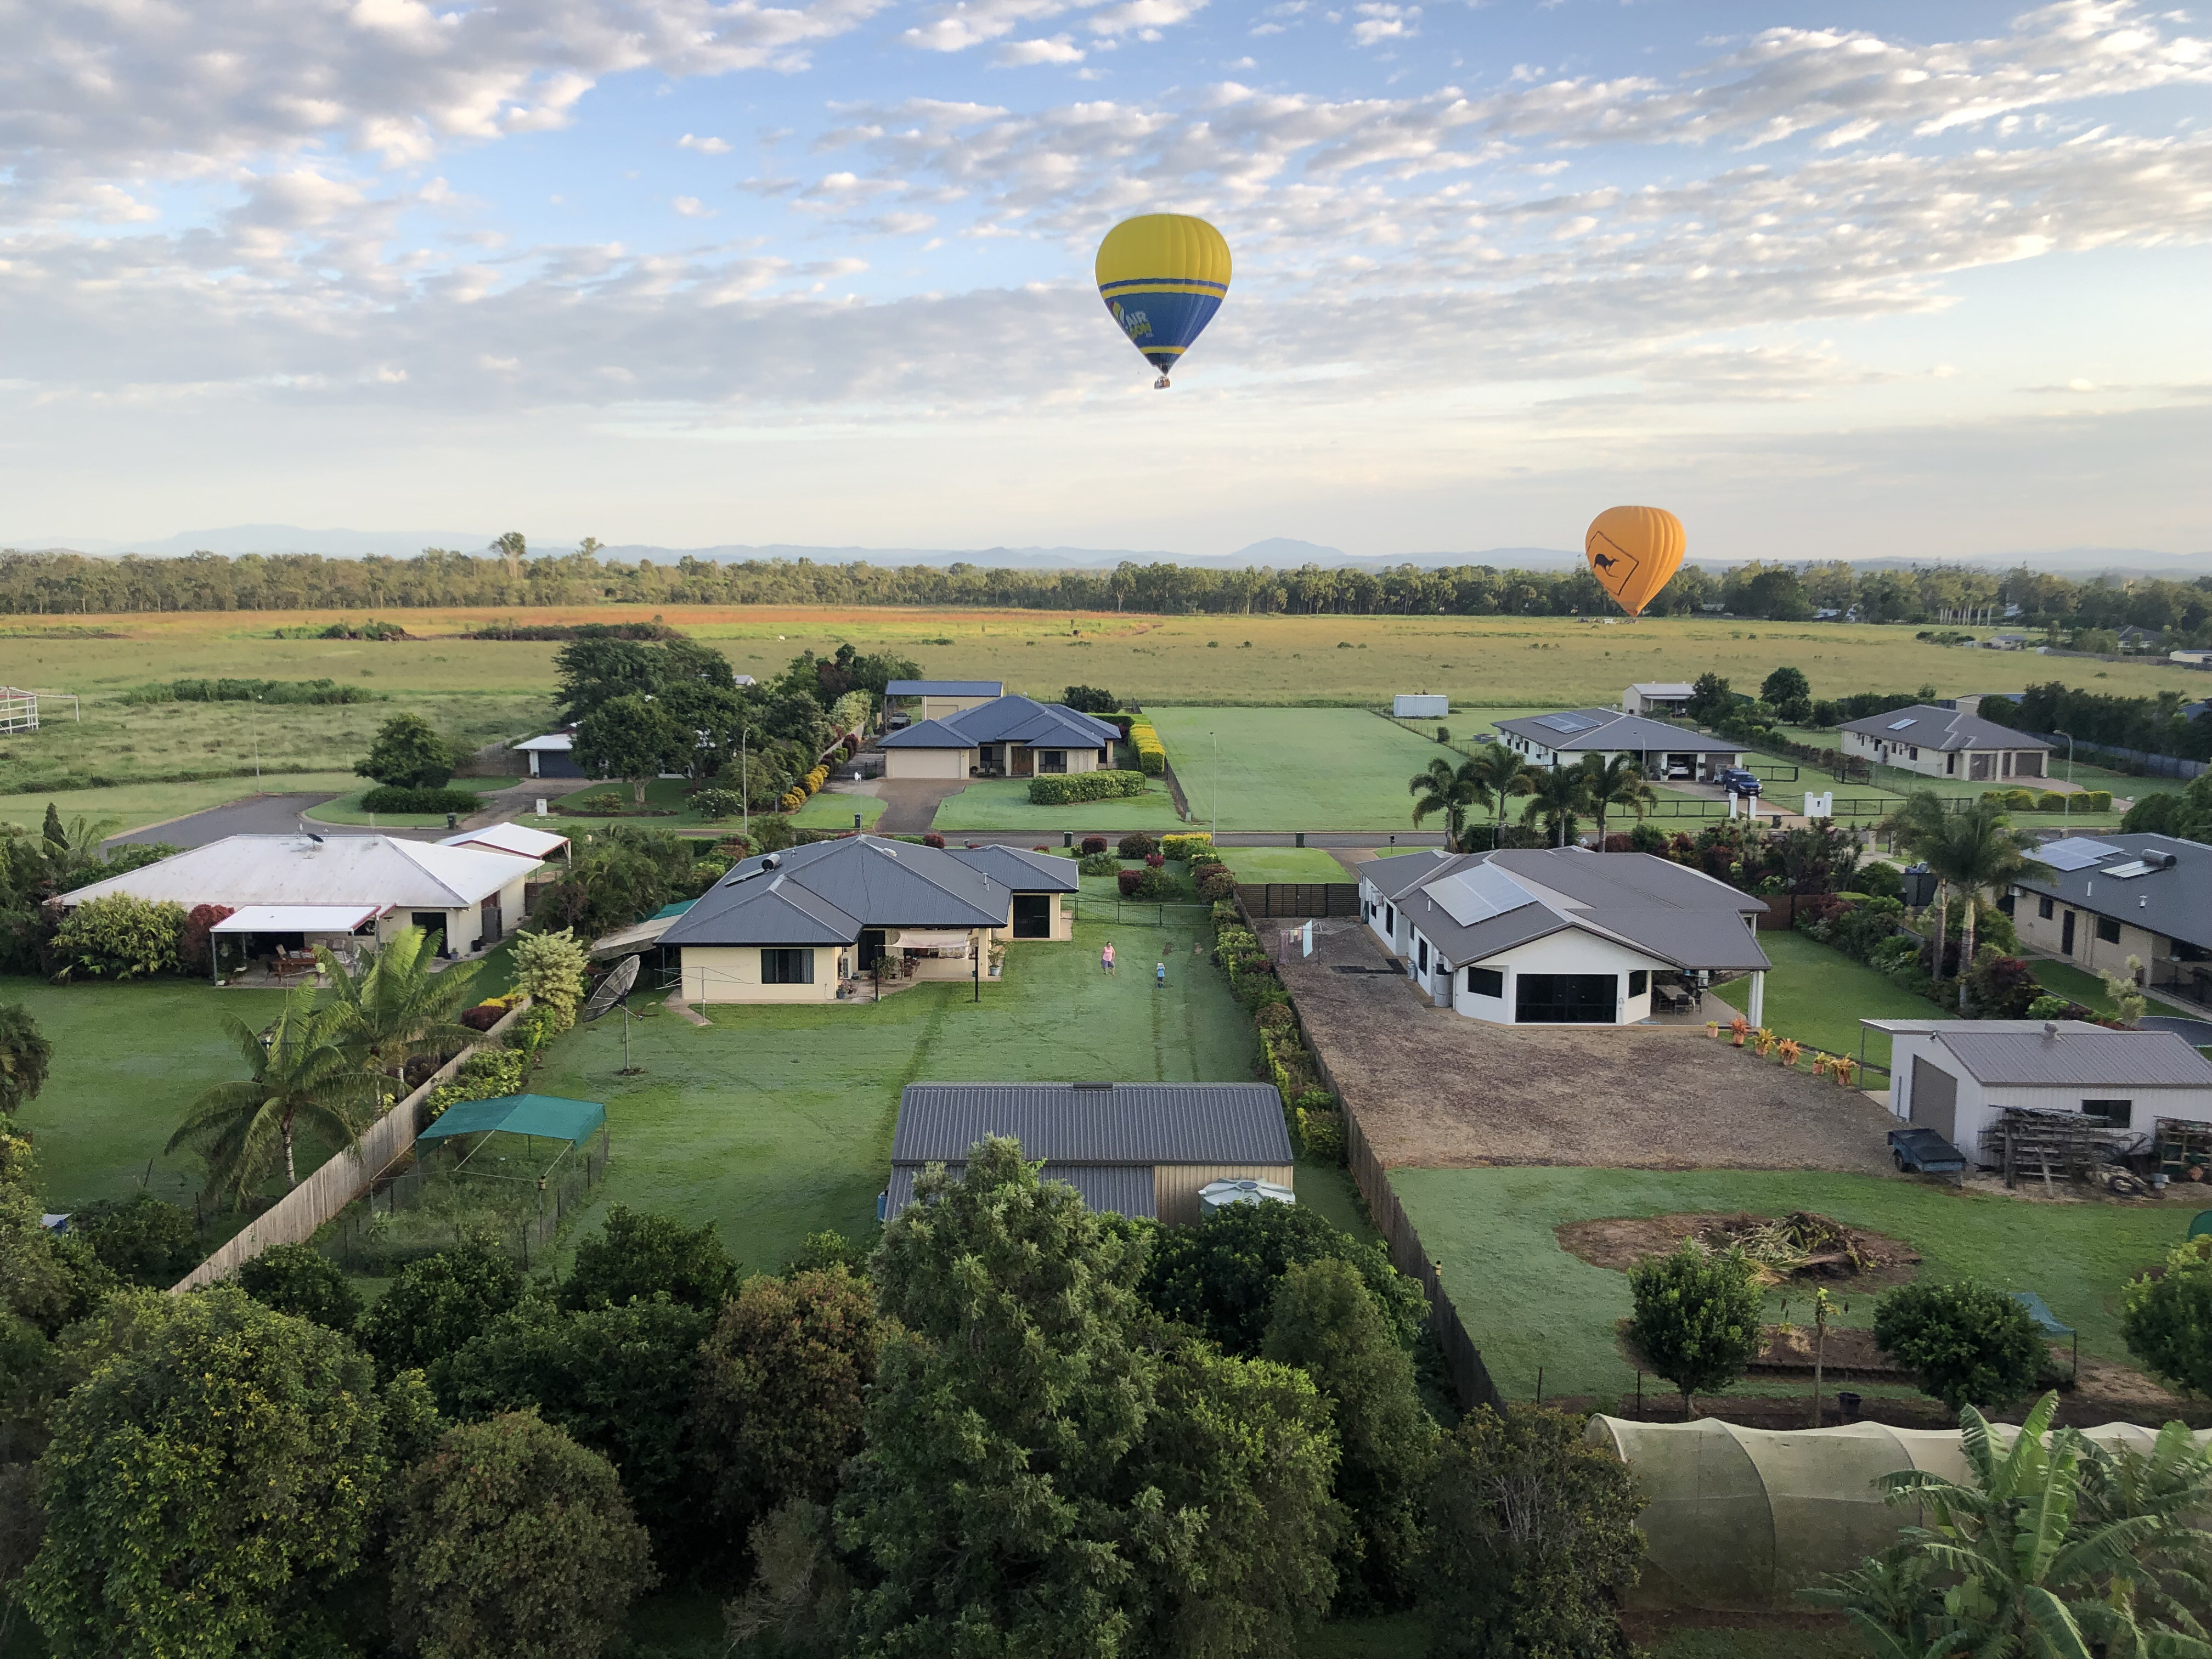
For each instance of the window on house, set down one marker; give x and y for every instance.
(2118, 1113)
(1052, 760)
(786, 967)
(1639, 981)
(2108, 929)
(1486, 982)
(2044, 907)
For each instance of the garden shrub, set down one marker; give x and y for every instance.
(1181, 846)
(141, 1240)
(1971, 1344)
(1647, 838)
(1226, 914)
(1531, 1538)
(193, 948)
(488, 1074)
(1217, 881)
(717, 803)
(437, 1304)
(1152, 753)
(1093, 844)
(774, 835)
(2051, 801)
(2095, 801)
(637, 1256)
(1221, 1275)
(538, 1026)
(1148, 885)
(2003, 988)
(120, 937)
(487, 1014)
(791, 801)
(549, 968)
(301, 1280)
(389, 798)
(1154, 861)
(933, 838)
(1696, 1317)
(1136, 845)
(2168, 1320)
(1068, 787)
(1099, 864)
(2048, 1006)
(1321, 1133)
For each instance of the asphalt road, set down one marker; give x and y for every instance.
(257, 815)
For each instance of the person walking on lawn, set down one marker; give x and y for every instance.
(1106, 960)
(1160, 974)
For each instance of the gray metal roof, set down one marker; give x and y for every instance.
(2095, 1057)
(2177, 903)
(1611, 730)
(945, 689)
(1009, 719)
(1475, 906)
(1393, 878)
(1019, 871)
(1115, 1188)
(826, 892)
(1144, 1123)
(1942, 730)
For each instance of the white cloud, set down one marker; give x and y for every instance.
(1380, 23)
(690, 207)
(1058, 49)
(704, 146)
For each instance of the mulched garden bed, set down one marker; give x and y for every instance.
(1830, 1253)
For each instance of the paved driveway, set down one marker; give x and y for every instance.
(1435, 1088)
(257, 815)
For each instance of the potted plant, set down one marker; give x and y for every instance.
(1790, 1048)
(1712, 1028)
(1739, 1029)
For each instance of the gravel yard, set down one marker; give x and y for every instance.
(1434, 1089)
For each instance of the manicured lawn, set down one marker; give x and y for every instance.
(1528, 1303)
(828, 811)
(1819, 995)
(1262, 864)
(776, 1122)
(347, 808)
(135, 805)
(1296, 768)
(128, 1061)
(2087, 988)
(1004, 804)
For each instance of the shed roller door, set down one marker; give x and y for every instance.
(1935, 1099)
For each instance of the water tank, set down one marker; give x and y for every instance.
(1420, 706)
(1218, 1195)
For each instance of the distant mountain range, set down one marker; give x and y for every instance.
(1279, 552)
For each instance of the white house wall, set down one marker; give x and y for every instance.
(1979, 1105)
(1568, 951)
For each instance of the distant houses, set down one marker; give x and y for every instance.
(1945, 742)
(1663, 752)
(2114, 896)
(1010, 737)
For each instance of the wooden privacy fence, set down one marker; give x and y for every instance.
(295, 1217)
(1300, 898)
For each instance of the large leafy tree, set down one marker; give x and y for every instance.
(437, 1305)
(637, 1256)
(1970, 851)
(513, 1539)
(301, 1280)
(1615, 780)
(1557, 796)
(1326, 1325)
(781, 1388)
(408, 753)
(304, 1072)
(1531, 1538)
(393, 1008)
(1695, 1318)
(206, 1489)
(633, 739)
(25, 1054)
(1969, 1343)
(1447, 790)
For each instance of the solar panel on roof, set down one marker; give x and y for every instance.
(2129, 871)
(2076, 852)
(1899, 726)
(1477, 894)
(1568, 722)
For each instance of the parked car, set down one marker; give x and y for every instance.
(1738, 781)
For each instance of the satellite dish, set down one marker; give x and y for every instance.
(613, 989)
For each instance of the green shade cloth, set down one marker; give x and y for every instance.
(549, 1115)
(675, 909)
(2042, 1315)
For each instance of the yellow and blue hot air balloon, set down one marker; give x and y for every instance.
(1163, 275)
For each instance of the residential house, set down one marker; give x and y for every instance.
(1134, 1149)
(2140, 639)
(2113, 896)
(908, 701)
(291, 891)
(1658, 697)
(1945, 742)
(1006, 737)
(798, 927)
(1664, 751)
(1559, 936)
(1959, 1077)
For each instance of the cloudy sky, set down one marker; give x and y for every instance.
(1826, 278)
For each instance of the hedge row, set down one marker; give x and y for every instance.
(2049, 800)
(387, 798)
(1152, 753)
(1061, 790)
(1284, 1060)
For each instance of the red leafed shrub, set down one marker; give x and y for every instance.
(1154, 861)
(1137, 844)
(1040, 848)
(1093, 844)
(199, 922)
(1616, 842)
(933, 840)
(483, 1016)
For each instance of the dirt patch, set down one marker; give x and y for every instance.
(1437, 1090)
(1619, 1242)
(1850, 1353)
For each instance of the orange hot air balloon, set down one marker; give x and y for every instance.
(1634, 551)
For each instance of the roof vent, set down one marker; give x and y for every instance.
(1108, 1087)
(2050, 1030)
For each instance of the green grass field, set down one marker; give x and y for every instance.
(776, 1122)
(1819, 995)
(1528, 1303)
(1261, 864)
(2088, 989)
(1295, 768)
(1004, 804)
(136, 806)
(828, 811)
(347, 808)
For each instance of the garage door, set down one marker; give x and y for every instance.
(1935, 1099)
(1566, 999)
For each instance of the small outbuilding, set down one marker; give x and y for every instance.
(1667, 697)
(550, 756)
(1420, 706)
(908, 701)
(1134, 1149)
(519, 839)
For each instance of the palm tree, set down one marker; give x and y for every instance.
(303, 1071)
(1556, 795)
(1497, 774)
(1615, 781)
(1972, 851)
(392, 1008)
(1442, 789)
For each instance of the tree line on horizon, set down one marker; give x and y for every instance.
(54, 583)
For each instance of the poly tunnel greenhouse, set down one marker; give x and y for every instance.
(1739, 1518)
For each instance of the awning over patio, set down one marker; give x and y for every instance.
(548, 1116)
(298, 918)
(930, 939)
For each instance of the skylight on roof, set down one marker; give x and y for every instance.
(2076, 852)
(1899, 726)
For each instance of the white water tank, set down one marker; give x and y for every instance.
(1218, 1195)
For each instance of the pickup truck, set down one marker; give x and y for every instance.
(1923, 1151)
